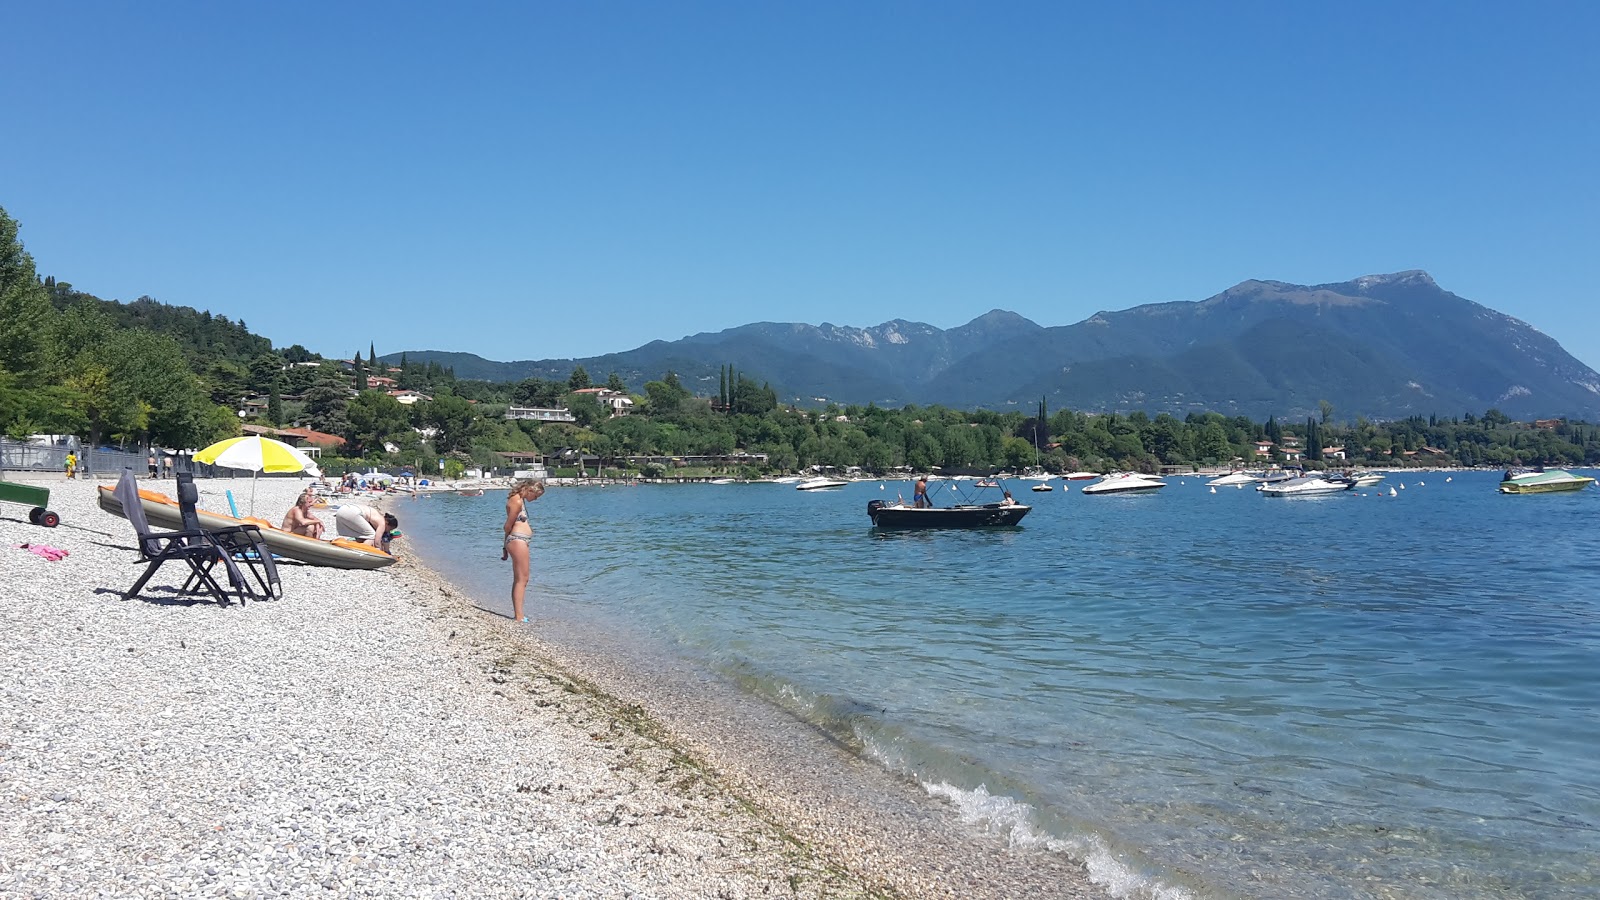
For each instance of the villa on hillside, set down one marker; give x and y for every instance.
(540, 414)
(619, 403)
(305, 439)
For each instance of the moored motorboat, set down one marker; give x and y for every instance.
(1234, 479)
(1124, 483)
(1542, 481)
(820, 483)
(986, 515)
(339, 553)
(1368, 479)
(1307, 485)
(1080, 476)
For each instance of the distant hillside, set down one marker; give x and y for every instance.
(1383, 346)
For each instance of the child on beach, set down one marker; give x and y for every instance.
(518, 535)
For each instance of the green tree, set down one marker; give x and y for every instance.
(578, 380)
(327, 402)
(453, 420)
(374, 417)
(586, 409)
(25, 311)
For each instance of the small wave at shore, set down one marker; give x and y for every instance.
(1014, 821)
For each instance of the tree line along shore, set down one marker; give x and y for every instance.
(74, 364)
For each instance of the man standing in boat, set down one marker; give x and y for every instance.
(919, 493)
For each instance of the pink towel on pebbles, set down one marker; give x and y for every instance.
(54, 554)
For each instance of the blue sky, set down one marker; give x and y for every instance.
(535, 180)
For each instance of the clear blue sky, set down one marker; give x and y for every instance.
(533, 180)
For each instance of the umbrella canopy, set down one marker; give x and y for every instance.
(257, 454)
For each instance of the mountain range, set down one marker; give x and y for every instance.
(1381, 346)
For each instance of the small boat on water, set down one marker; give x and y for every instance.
(966, 515)
(339, 553)
(1041, 487)
(1307, 486)
(1542, 481)
(1233, 479)
(1124, 483)
(820, 484)
(986, 483)
(1080, 476)
(1368, 479)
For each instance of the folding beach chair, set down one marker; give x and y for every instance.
(195, 548)
(243, 542)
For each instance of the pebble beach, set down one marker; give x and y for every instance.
(374, 734)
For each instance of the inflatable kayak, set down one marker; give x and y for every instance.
(339, 553)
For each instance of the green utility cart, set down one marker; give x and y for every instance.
(30, 495)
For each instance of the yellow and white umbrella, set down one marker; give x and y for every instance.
(258, 454)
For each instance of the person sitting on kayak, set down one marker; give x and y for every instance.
(300, 519)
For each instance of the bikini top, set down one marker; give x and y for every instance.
(523, 515)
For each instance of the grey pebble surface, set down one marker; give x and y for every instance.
(356, 738)
(372, 734)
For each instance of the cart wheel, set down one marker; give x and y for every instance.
(33, 514)
(49, 519)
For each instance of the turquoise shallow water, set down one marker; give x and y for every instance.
(1199, 694)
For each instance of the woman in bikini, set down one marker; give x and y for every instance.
(518, 535)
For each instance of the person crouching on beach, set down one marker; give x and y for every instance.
(300, 519)
(518, 536)
(360, 522)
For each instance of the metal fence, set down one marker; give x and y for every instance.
(23, 456)
(41, 458)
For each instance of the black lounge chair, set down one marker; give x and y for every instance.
(243, 542)
(195, 548)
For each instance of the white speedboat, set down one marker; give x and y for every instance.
(1542, 481)
(1124, 482)
(1307, 486)
(1233, 479)
(820, 483)
(1080, 476)
(1368, 479)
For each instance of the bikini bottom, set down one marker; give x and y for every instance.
(525, 538)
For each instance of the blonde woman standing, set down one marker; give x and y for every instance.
(518, 535)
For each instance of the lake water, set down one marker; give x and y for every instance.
(1200, 694)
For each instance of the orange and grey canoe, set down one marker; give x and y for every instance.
(340, 553)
